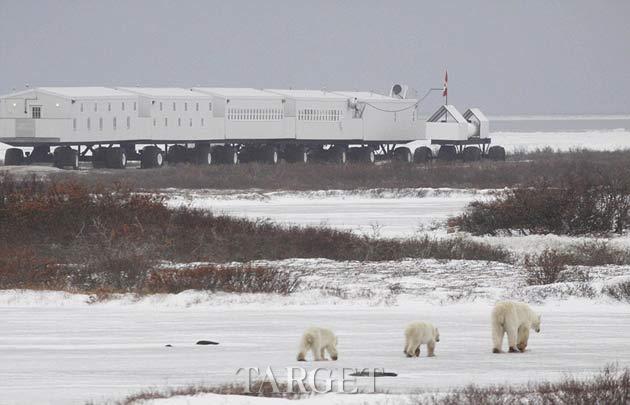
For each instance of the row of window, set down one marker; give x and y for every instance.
(202, 122)
(319, 115)
(109, 106)
(88, 123)
(255, 114)
(174, 106)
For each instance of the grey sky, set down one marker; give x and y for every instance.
(536, 56)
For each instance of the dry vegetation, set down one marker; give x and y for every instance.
(593, 197)
(66, 235)
(317, 176)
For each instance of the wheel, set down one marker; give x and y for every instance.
(362, 155)
(496, 153)
(13, 157)
(422, 154)
(270, 155)
(471, 154)
(338, 155)
(403, 154)
(226, 155)
(98, 158)
(447, 153)
(296, 154)
(151, 157)
(40, 153)
(177, 154)
(116, 158)
(202, 155)
(65, 156)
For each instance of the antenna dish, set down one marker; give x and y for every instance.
(398, 91)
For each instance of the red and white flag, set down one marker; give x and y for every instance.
(445, 92)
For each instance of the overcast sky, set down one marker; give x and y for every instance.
(507, 57)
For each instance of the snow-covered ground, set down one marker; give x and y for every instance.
(398, 213)
(105, 351)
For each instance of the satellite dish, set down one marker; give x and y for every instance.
(398, 91)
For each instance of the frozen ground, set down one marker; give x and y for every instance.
(70, 354)
(59, 348)
(378, 212)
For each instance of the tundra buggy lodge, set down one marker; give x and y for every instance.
(208, 125)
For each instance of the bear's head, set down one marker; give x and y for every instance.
(436, 334)
(536, 324)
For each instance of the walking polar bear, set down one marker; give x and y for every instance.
(318, 341)
(420, 333)
(515, 319)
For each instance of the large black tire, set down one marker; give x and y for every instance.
(40, 154)
(116, 158)
(337, 154)
(362, 155)
(296, 154)
(151, 157)
(447, 153)
(471, 154)
(423, 154)
(496, 153)
(403, 154)
(226, 155)
(270, 155)
(65, 156)
(202, 155)
(99, 158)
(13, 157)
(177, 154)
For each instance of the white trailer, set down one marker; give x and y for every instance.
(204, 125)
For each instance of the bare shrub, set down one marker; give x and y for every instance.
(546, 268)
(236, 279)
(611, 386)
(620, 291)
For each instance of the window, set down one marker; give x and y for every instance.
(74, 124)
(179, 122)
(81, 107)
(154, 122)
(109, 106)
(134, 106)
(95, 107)
(114, 123)
(161, 106)
(165, 121)
(174, 106)
(185, 106)
(100, 124)
(36, 112)
(209, 106)
(123, 106)
(88, 124)
(202, 122)
(128, 122)
(196, 106)
(190, 122)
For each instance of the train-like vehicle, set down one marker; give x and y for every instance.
(110, 126)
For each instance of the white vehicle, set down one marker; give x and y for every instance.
(205, 125)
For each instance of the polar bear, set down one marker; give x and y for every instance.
(420, 333)
(318, 340)
(515, 319)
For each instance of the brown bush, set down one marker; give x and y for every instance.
(546, 268)
(620, 291)
(236, 279)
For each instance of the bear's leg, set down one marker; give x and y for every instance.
(431, 348)
(523, 337)
(512, 333)
(417, 351)
(323, 353)
(301, 356)
(497, 337)
(316, 353)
